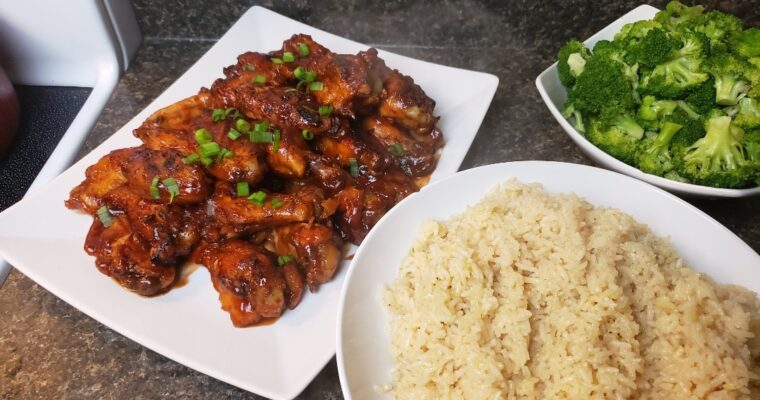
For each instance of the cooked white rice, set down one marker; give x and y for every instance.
(529, 295)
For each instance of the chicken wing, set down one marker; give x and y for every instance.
(100, 178)
(315, 246)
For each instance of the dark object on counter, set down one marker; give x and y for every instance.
(8, 112)
(47, 114)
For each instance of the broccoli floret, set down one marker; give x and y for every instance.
(752, 149)
(747, 43)
(577, 118)
(718, 158)
(571, 61)
(614, 51)
(651, 111)
(676, 14)
(652, 49)
(717, 26)
(748, 115)
(691, 131)
(635, 31)
(702, 98)
(602, 86)
(729, 74)
(613, 140)
(693, 44)
(653, 154)
(673, 78)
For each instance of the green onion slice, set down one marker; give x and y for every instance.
(304, 75)
(243, 190)
(276, 60)
(154, 189)
(191, 159)
(249, 67)
(261, 137)
(303, 49)
(353, 167)
(396, 149)
(259, 79)
(171, 186)
(206, 160)
(234, 134)
(325, 111)
(202, 136)
(105, 216)
(218, 114)
(275, 203)
(284, 259)
(225, 153)
(307, 134)
(210, 149)
(242, 125)
(316, 86)
(288, 57)
(276, 140)
(258, 198)
(261, 127)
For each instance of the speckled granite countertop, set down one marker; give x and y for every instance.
(50, 350)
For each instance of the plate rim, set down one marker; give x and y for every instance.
(640, 185)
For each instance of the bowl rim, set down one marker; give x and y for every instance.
(594, 152)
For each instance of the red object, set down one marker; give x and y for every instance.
(8, 112)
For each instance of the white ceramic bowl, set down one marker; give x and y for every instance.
(555, 95)
(363, 343)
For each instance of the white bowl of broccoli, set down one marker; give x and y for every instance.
(671, 98)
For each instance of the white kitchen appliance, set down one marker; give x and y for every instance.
(79, 43)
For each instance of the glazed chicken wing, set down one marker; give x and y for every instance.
(261, 177)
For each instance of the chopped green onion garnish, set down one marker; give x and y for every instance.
(171, 186)
(225, 153)
(396, 149)
(307, 134)
(242, 125)
(154, 189)
(353, 167)
(276, 61)
(210, 149)
(243, 189)
(259, 79)
(304, 75)
(288, 57)
(218, 114)
(202, 136)
(206, 160)
(232, 111)
(303, 49)
(258, 198)
(261, 127)
(104, 216)
(325, 111)
(249, 67)
(276, 140)
(234, 134)
(284, 259)
(275, 203)
(316, 86)
(261, 137)
(191, 159)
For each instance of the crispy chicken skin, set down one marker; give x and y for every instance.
(261, 177)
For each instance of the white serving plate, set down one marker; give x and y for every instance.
(44, 240)
(363, 346)
(555, 95)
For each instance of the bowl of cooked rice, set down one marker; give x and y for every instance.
(548, 280)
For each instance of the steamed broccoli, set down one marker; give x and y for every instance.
(571, 61)
(618, 139)
(672, 96)
(729, 72)
(653, 154)
(748, 115)
(718, 158)
(673, 78)
(602, 86)
(676, 14)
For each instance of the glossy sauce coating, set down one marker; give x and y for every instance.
(261, 178)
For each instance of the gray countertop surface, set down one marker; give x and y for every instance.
(49, 349)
